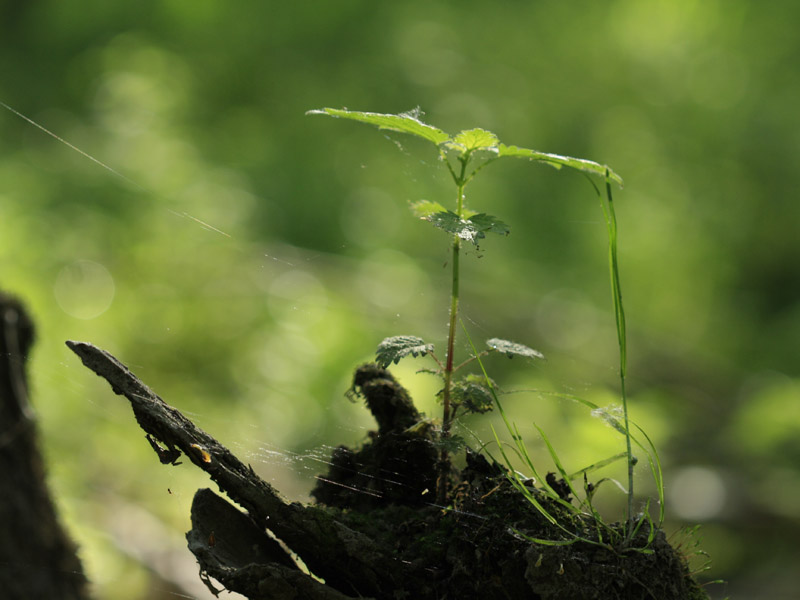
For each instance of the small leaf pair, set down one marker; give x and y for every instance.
(392, 349)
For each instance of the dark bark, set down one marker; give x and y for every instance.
(398, 466)
(37, 559)
(346, 559)
(378, 534)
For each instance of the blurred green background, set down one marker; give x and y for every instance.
(244, 257)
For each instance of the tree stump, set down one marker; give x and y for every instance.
(37, 559)
(376, 531)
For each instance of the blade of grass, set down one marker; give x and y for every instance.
(544, 542)
(655, 467)
(600, 525)
(598, 465)
(557, 462)
(648, 447)
(514, 478)
(548, 489)
(512, 429)
(607, 205)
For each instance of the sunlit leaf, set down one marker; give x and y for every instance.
(512, 349)
(473, 139)
(465, 141)
(407, 122)
(392, 349)
(425, 208)
(471, 229)
(557, 161)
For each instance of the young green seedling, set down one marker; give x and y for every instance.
(465, 154)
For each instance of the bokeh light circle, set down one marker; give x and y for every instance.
(84, 289)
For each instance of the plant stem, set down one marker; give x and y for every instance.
(444, 458)
(451, 338)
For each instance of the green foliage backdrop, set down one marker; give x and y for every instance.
(242, 257)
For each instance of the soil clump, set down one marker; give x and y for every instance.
(479, 546)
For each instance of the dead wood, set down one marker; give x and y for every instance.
(347, 560)
(377, 532)
(37, 558)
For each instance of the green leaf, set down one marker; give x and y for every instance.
(392, 349)
(599, 465)
(466, 141)
(450, 222)
(472, 393)
(557, 161)
(512, 349)
(489, 223)
(425, 208)
(452, 444)
(407, 122)
(473, 139)
(471, 229)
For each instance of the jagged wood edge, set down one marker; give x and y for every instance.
(348, 560)
(237, 553)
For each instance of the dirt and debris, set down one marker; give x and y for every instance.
(476, 546)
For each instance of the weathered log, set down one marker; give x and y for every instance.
(234, 550)
(347, 560)
(37, 558)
